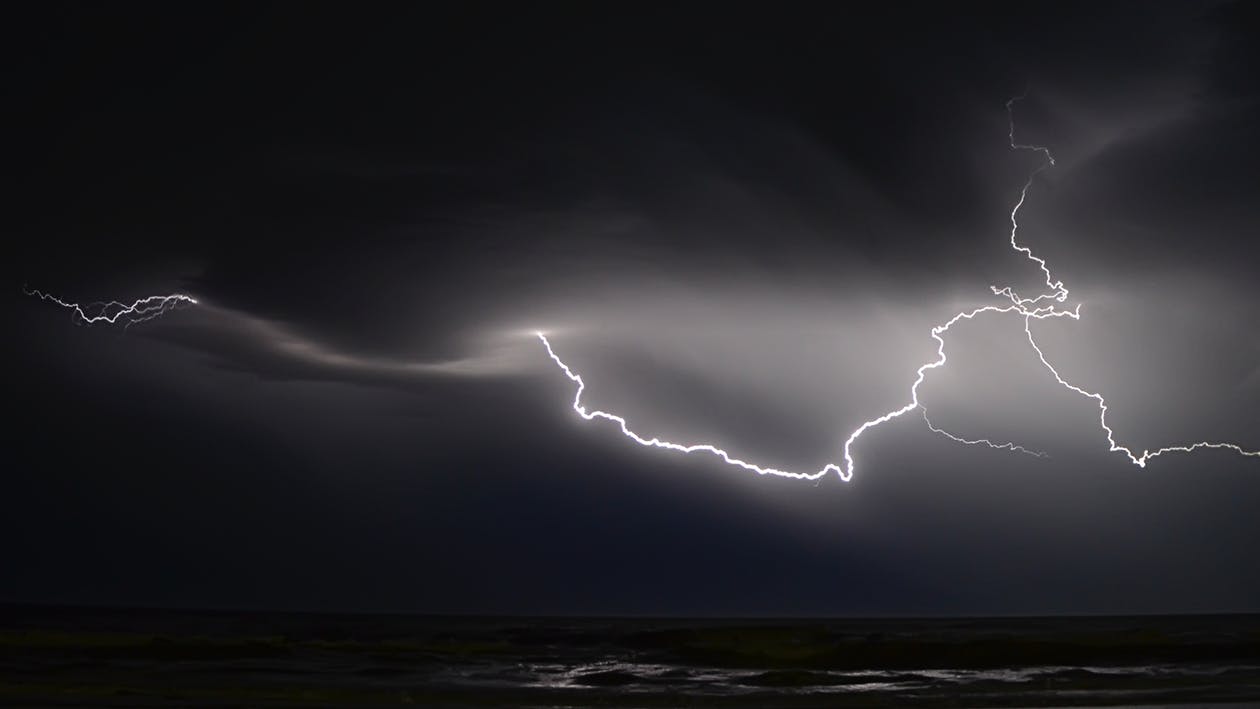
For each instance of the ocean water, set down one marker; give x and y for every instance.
(103, 657)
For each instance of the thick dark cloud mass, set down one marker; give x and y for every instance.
(738, 225)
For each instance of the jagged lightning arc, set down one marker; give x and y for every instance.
(1029, 308)
(1032, 308)
(110, 312)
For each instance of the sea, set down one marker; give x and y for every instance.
(69, 657)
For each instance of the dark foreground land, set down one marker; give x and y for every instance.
(96, 657)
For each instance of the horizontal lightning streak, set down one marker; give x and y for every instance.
(658, 443)
(981, 441)
(1138, 460)
(110, 312)
(1029, 308)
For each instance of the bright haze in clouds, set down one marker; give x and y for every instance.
(1037, 307)
(1029, 308)
(739, 230)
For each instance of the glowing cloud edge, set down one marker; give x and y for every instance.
(1026, 307)
(150, 307)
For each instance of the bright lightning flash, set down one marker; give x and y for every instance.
(112, 311)
(1028, 308)
(1040, 307)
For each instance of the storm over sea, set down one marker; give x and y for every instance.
(110, 657)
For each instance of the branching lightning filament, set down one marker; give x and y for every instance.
(1048, 304)
(111, 312)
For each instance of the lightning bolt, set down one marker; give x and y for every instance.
(1048, 304)
(582, 411)
(1029, 308)
(1138, 460)
(111, 312)
(981, 441)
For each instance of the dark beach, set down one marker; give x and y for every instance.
(112, 657)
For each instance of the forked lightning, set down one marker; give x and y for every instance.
(112, 311)
(1028, 308)
(1049, 304)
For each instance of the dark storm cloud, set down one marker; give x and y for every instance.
(738, 226)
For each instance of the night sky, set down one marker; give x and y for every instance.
(739, 225)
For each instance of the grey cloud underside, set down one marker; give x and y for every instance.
(238, 341)
(602, 296)
(754, 207)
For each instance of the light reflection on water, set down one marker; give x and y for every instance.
(267, 659)
(649, 677)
